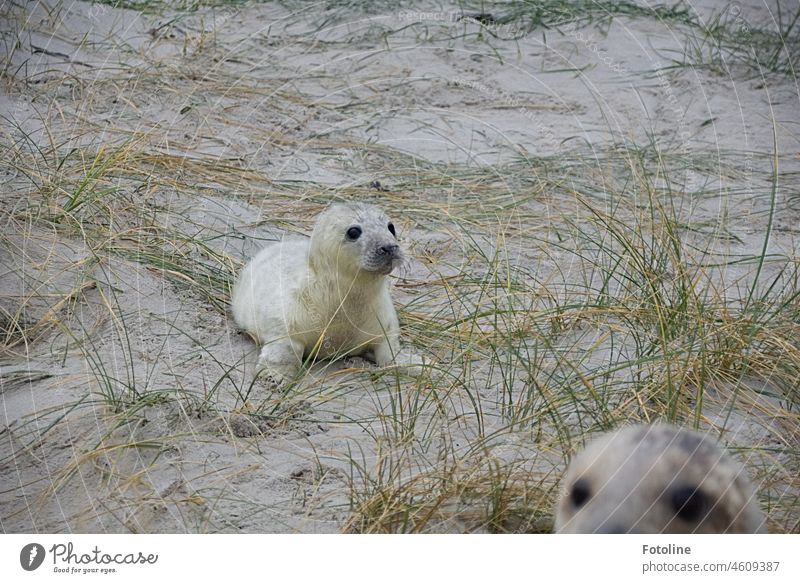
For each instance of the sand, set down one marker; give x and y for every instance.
(148, 155)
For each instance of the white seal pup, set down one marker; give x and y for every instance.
(651, 479)
(323, 297)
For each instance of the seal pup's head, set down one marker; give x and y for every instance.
(656, 479)
(355, 239)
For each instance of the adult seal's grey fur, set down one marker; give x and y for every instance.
(324, 297)
(656, 479)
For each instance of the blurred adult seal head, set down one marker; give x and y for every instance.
(324, 297)
(656, 479)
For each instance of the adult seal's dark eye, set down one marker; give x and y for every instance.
(580, 493)
(392, 231)
(689, 503)
(353, 233)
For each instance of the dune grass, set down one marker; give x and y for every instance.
(543, 327)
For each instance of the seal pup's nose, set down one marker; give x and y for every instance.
(613, 529)
(388, 249)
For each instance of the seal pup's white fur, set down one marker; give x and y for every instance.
(323, 297)
(656, 479)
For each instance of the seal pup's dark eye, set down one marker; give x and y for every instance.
(392, 231)
(580, 493)
(689, 503)
(353, 233)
